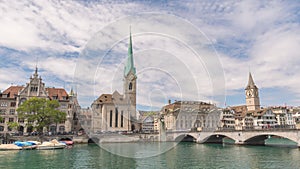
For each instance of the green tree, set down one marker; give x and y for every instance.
(13, 125)
(41, 112)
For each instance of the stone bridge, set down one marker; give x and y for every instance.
(256, 137)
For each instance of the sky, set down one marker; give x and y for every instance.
(183, 50)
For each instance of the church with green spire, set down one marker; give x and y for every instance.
(117, 112)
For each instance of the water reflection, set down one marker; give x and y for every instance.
(138, 150)
(184, 155)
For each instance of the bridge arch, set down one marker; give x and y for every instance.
(217, 138)
(94, 140)
(185, 138)
(259, 139)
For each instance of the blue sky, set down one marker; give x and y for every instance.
(261, 36)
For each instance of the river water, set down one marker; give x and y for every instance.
(184, 155)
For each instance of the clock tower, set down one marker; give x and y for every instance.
(252, 97)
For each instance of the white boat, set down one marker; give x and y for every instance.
(5, 147)
(54, 144)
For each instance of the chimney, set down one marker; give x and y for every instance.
(169, 101)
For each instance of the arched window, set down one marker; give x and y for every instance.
(130, 86)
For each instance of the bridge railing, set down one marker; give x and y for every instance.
(262, 128)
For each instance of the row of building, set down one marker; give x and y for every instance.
(193, 115)
(117, 112)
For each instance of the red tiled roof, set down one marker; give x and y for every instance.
(57, 92)
(105, 98)
(12, 91)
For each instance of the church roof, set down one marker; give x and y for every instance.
(251, 83)
(105, 98)
(12, 91)
(129, 67)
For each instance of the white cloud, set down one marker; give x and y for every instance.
(262, 35)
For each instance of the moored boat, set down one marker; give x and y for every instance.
(54, 144)
(67, 141)
(27, 145)
(4, 147)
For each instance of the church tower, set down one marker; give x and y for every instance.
(252, 98)
(130, 79)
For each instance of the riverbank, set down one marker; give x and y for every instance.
(132, 138)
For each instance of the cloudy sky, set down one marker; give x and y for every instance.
(189, 50)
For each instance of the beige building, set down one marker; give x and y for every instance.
(116, 112)
(14, 96)
(189, 115)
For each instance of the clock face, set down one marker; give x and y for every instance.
(249, 93)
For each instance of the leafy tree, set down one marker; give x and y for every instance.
(13, 125)
(41, 112)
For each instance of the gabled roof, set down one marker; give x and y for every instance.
(12, 91)
(105, 98)
(58, 92)
(260, 112)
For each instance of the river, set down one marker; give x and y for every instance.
(184, 155)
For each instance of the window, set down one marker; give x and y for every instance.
(34, 89)
(2, 120)
(110, 118)
(22, 100)
(122, 118)
(3, 104)
(11, 119)
(21, 120)
(2, 111)
(1, 128)
(130, 86)
(12, 104)
(55, 97)
(116, 120)
(12, 111)
(63, 106)
(61, 128)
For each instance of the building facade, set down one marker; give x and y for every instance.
(14, 96)
(190, 115)
(116, 112)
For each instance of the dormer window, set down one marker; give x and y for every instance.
(55, 97)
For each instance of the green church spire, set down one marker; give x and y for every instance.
(129, 64)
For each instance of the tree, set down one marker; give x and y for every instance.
(13, 125)
(41, 112)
